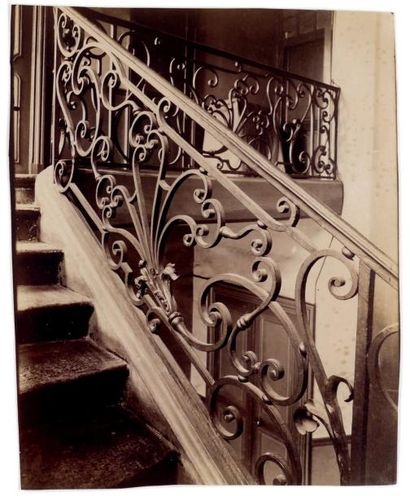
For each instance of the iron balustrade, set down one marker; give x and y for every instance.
(290, 119)
(96, 81)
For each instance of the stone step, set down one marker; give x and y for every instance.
(24, 188)
(24, 195)
(37, 263)
(27, 222)
(25, 181)
(106, 450)
(50, 312)
(60, 379)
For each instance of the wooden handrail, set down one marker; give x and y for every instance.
(347, 235)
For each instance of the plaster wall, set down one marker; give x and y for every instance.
(364, 67)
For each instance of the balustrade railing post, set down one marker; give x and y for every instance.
(361, 379)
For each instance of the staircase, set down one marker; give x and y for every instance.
(74, 432)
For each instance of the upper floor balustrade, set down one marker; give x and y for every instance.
(290, 119)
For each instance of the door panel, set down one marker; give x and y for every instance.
(22, 19)
(268, 339)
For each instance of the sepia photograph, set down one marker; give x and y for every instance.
(204, 232)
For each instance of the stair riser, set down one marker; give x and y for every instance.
(24, 195)
(38, 268)
(53, 323)
(27, 226)
(24, 181)
(74, 399)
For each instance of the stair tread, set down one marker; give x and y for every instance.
(27, 207)
(37, 263)
(24, 195)
(56, 362)
(23, 247)
(33, 297)
(25, 179)
(104, 450)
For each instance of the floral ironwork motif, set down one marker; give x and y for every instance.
(107, 113)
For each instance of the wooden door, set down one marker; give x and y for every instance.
(32, 46)
(268, 339)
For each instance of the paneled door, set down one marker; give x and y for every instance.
(268, 339)
(32, 49)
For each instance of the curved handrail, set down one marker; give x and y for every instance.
(358, 244)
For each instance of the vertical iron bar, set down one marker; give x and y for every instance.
(190, 69)
(313, 128)
(113, 34)
(335, 131)
(361, 379)
(189, 61)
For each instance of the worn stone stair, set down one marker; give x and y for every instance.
(37, 263)
(74, 432)
(24, 188)
(62, 379)
(109, 450)
(27, 222)
(50, 312)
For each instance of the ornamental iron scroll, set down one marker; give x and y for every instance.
(108, 106)
(375, 368)
(289, 119)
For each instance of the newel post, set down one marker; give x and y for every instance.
(361, 378)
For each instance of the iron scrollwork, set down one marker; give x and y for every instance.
(109, 113)
(374, 365)
(289, 119)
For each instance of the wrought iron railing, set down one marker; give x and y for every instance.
(95, 79)
(290, 119)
